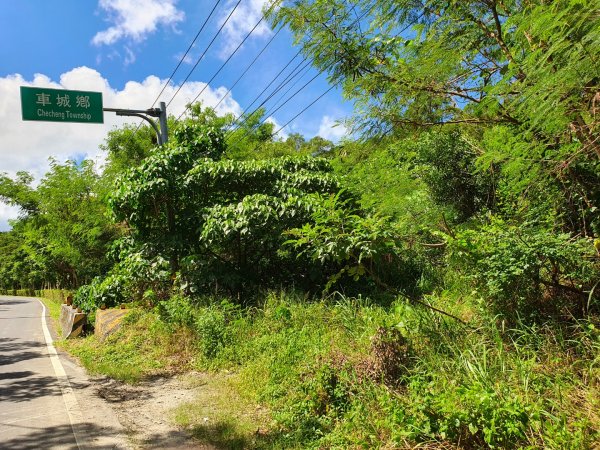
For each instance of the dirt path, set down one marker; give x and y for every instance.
(145, 410)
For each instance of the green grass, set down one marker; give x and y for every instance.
(220, 416)
(54, 307)
(345, 373)
(320, 371)
(143, 347)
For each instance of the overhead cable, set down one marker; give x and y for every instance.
(245, 116)
(224, 63)
(205, 51)
(248, 68)
(182, 59)
(187, 51)
(305, 108)
(273, 111)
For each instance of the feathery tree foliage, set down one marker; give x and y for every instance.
(523, 75)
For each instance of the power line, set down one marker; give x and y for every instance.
(271, 111)
(204, 52)
(357, 21)
(293, 74)
(187, 51)
(301, 112)
(183, 57)
(249, 66)
(332, 86)
(281, 84)
(301, 75)
(276, 76)
(226, 61)
(306, 107)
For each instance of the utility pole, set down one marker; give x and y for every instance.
(162, 133)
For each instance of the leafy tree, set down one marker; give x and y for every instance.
(221, 219)
(252, 137)
(359, 245)
(77, 229)
(19, 192)
(13, 259)
(152, 198)
(530, 64)
(216, 214)
(249, 133)
(513, 265)
(64, 232)
(251, 204)
(384, 176)
(127, 147)
(446, 162)
(526, 72)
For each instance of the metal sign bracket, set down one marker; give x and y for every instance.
(161, 130)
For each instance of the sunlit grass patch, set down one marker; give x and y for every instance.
(142, 347)
(54, 307)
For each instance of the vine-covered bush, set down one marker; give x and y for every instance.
(109, 291)
(358, 245)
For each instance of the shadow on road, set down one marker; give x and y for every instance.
(25, 389)
(20, 386)
(15, 375)
(58, 437)
(10, 301)
(15, 350)
(11, 345)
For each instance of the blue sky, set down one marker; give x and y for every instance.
(127, 49)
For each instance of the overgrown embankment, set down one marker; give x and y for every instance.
(344, 373)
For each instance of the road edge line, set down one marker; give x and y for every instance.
(68, 395)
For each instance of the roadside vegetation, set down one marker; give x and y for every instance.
(431, 281)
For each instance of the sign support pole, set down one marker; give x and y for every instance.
(162, 133)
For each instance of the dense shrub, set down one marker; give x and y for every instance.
(177, 310)
(515, 266)
(109, 291)
(127, 281)
(446, 162)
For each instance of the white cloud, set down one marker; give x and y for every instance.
(331, 130)
(28, 145)
(187, 59)
(136, 19)
(282, 135)
(7, 213)
(244, 18)
(129, 56)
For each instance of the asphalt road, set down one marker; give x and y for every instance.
(46, 401)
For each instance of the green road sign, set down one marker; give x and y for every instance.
(58, 105)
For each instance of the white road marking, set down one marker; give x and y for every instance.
(73, 410)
